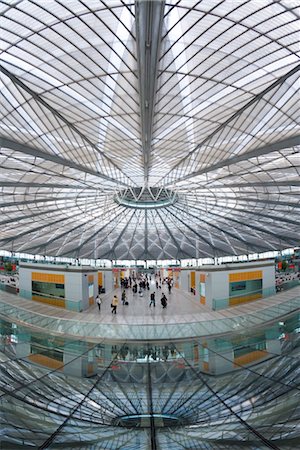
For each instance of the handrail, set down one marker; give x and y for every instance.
(73, 324)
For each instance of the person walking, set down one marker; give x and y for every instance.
(152, 299)
(164, 301)
(123, 297)
(98, 301)
(114, 305)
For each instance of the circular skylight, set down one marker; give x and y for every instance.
(146, 198)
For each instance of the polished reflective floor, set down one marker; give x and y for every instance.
(238, 390)
(183, 318)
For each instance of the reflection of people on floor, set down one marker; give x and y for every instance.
(165, 353)
(114, 351)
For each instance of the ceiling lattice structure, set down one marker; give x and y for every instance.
(197, 99)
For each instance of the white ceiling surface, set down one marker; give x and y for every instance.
(225, 132)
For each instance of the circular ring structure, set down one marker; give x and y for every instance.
(146, 197)
(144, 420)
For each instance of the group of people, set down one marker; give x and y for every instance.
(140, 352)
(159, 281)
(282, 280)
(138, 284)
(163, 300)
(126, 282)
(115, 301)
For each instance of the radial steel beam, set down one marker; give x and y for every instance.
(260, 200)
(146, 236)
(255, 99)
(149, 20)
(48, 442)
(256, 214)
(202, 238)
(116, 210)
(132, 237)
(225, 402)
(180, 251)
(24, 184)
(37, 153)
(70, 230)
(150, 405)
(256, 153)
(120, 236)
(30, 216)
(118, 215)
(39, 200)
(35, 230)
(250, 225)
(226, 232)
(244, 184)
(60, 117)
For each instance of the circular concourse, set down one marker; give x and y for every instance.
(145, 131)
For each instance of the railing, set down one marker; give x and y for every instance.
(201, 325)
(287, 285)
(8, 288)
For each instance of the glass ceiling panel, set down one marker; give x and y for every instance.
(213, 116)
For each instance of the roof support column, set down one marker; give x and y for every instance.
(149, 20)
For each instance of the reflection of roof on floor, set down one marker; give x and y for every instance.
(184, 316)
(258, 404)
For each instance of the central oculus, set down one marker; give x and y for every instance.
(144, 420)
(146, 197)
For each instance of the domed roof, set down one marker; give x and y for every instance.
(193, 102)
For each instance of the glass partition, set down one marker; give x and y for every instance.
(204, 326)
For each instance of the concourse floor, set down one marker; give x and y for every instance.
(183, 312)
(179, 304)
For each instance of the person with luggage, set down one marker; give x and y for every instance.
(164, 301)
(152, 299)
